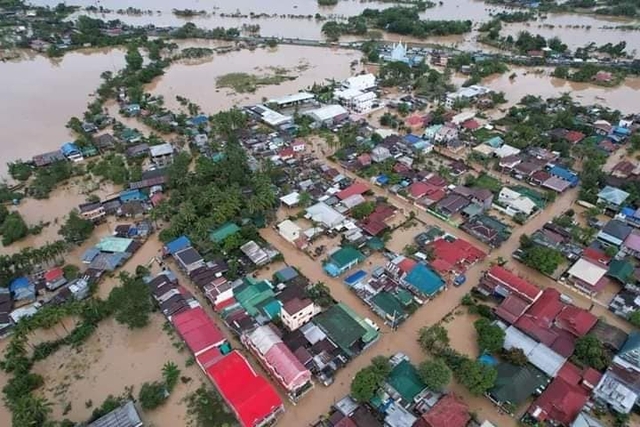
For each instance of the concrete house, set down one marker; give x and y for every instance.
(297, 312)
(161, 155)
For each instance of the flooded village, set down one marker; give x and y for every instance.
(289, 225)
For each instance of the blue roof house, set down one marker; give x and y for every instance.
(620, 130)
(424, 280)
(22, 289)
(177, 245)
(495, 142)
(412, 139)
(71, 151)
(131, 196)
(565, 174)
(198, 120)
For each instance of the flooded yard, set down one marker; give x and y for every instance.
(71, 375)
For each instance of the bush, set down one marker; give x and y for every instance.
(152, 395)
(490, 337)
(76, 229)
(435, 374)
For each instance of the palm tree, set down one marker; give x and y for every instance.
(30, 411)
(170, 373)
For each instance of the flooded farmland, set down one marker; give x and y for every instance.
(39, 95)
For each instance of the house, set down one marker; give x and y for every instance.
(161, 155)
(612, 198)
(293, 99)
(104, 142)
(351, 333)
(92, 211)
(189, 259)
(22, 290)
(291, 200)
(611, 336)
(379, 154)
(198, 331)
(297, 312)
(255, 253)
(403, 383)
(250, 396)
(624, 169)
(446, 134)
(615, 393)
(565, 174)
(629, 355)
(622, 270)
(424, 281)
(559, 404)
(479, 196)
(54, 278)
(139, 150)
(452, 204)
(450, 411)
(603, 76)
(515, 203)
(538, 354)
(516, 384)
(631, 245)
(342, 260)
(123, 416)
(47, 159)
(615, 232)
(71, 151)
(130, 136)
(278, 360)
(465, 94)
(323, 214)
(356, 100)
(176, 245)
(289, 230)
(454, 255)
(355, 188)
(501, 282)
(487, 229)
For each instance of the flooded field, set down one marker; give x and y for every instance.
(198, 82)
(39, 95)
(71, 375)
(538, 82)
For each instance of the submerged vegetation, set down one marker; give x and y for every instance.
(244, 82)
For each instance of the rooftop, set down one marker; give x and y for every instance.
(405, 380)
(450, 411)
(124, 416)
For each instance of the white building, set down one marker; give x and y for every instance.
(161, 155)
(323, 214)
(328, 115)
(269, 116)
(289, 230)
(362, 82)
(379, 154)
(515, 203)
(356, 100)
(293, 99)
(446, 134)
(466, 93)
(291, 199)
(297, 312)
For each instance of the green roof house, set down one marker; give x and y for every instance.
(405, 382)
(388, 307)
(515, 384)
(342, 260)
(342, 329)
(621, 270)
(252, 295)
(220, 234)
(629, 356)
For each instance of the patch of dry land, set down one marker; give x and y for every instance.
(113, 359)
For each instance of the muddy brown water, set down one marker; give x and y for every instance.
(39, 95)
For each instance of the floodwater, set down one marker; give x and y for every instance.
(537, 81)
(198, 82)
(39, 95)
(574, 29)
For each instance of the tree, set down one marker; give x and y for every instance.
(433, 337)
(634, 318)
(131, 302)
(590, 351)
(207, 409)
(490, 337)
(305, 199)
(476, 376)
(435, 374)
(30, 411)
(76, 229)
(381, 366)
(152, 395)
(545, 260)
(171, 374)
(19, 170)
(362, 210)
(13, 228)
(133, 58)
(515, 356)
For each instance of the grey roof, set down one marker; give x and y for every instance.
(613, 195)
(617, 229)
(124, 416)
(586, 420)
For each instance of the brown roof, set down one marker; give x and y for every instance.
(296, 304)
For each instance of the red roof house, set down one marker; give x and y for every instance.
(156, 198)
(250, 396)
(54, 275)
(596, 256)
(352, 190)
(471, 125)
(501, 277)
(576, 320)
(574, 136)
(286, 153)
(450, 411)
(198, 330)
(511, 308)
(458, 253)
(587, 378)
(560, 403)
(414, 121)
(364, 159)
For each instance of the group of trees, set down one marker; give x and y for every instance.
(590, 351)
(545, 260)
(398, 20)
(490, 336)
(12, 226)
(472, 374)
(24, 261)
(131, 301)
(369, 379)
(206, 408)
(76, 229)
(154, 394)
